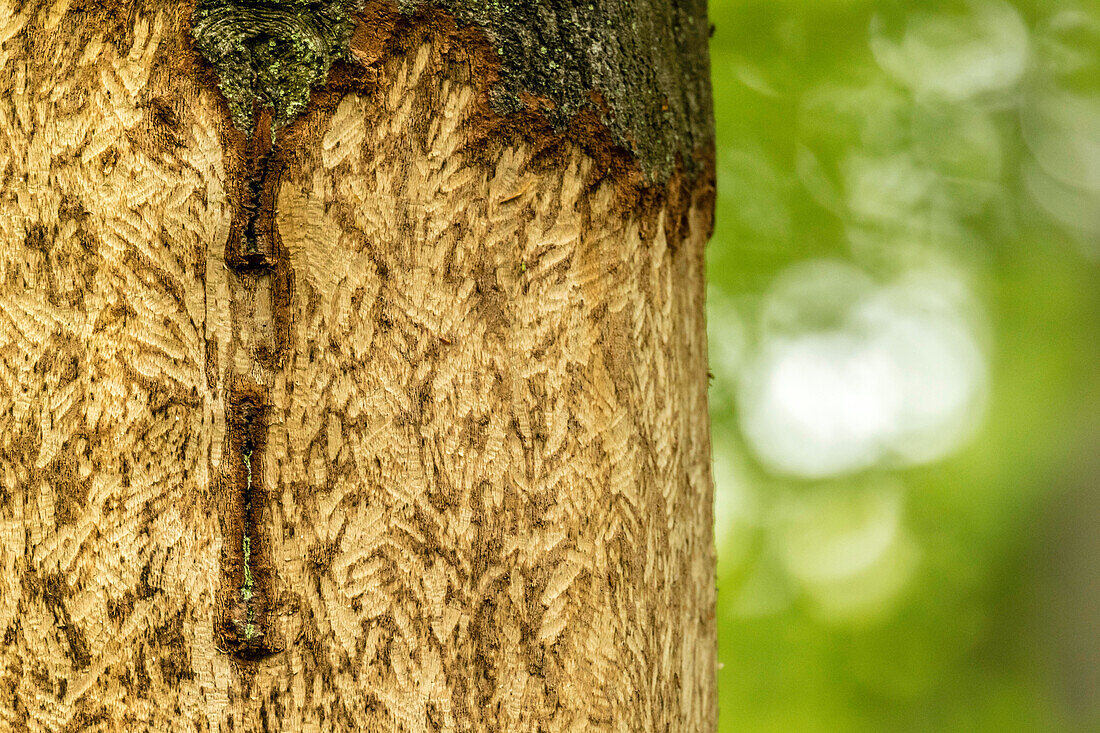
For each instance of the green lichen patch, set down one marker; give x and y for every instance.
(249, 584)
(272, 53)
(247, 589)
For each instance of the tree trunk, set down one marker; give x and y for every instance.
(353, 366)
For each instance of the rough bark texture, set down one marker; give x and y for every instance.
(396, 424)
(640, 65)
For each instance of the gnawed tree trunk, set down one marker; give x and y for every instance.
(366, 390)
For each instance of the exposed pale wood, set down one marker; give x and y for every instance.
(488, 497)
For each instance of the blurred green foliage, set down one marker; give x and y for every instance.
(932, 578)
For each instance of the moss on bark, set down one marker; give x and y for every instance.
(271, 53)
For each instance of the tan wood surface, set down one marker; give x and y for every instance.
(482, 493)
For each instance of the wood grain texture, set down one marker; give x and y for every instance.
(486, 482)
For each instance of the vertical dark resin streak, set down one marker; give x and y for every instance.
(268, 58)
(253, 251)
(251, 242)
(247, 574)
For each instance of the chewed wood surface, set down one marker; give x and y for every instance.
(485, 478)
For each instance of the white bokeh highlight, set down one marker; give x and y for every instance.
(847, 547)
(1060, 125)
(954, 56)
(878, 376)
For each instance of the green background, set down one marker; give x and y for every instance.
(945, 575)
